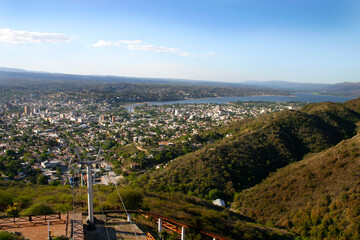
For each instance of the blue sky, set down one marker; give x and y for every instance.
(223, 40)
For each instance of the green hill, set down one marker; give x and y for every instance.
(255, 149)
(318, 197)
(186, 209)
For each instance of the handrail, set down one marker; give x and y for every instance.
(149, 236)
(29, 219)
(210, 234)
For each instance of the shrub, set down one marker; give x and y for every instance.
(6, 199)
(133, 199)
(14, 210)
(38, 209)
(10, 236)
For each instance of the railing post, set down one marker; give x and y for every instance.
(59, 216)
(159, 226)
(182, 233)
(30, 218)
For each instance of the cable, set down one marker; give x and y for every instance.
(73, 215)
(102, 210)
(73, 212)
(125, 209)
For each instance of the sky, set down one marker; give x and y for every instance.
(312, 41)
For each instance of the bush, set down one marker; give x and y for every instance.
(10, 236)
(6, 199)
(60, 238)
(133, 199)
(14, 210)
(38, 209)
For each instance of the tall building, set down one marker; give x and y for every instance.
(27, 110)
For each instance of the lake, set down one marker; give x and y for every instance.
(299, 97)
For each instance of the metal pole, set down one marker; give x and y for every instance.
(49, 234)
(90, 194)
(182, 233)
(159, 226)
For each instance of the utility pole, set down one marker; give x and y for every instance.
(90, 218)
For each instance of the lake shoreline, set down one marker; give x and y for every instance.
(300, 97)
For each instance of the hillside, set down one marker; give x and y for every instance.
(318, 197)
(190, 210)
(255, 149)
(343, 89)
(346, 88)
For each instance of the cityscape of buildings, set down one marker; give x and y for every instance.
(38, 138)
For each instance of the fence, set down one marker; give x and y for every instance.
(171, 224)
(149, 236)
(32, 219)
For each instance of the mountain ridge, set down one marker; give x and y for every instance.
(317, 197)
(344, 88)
(256, 148)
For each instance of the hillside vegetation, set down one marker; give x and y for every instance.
(24, 199)
(318, 197)
(255, 148)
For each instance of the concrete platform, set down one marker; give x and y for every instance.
(115, 228)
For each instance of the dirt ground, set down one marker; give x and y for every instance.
(38, 230)
(115, 228)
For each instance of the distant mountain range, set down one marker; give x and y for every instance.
(346, 88)
(37, 76)
(289, 85)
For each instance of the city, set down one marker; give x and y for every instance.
(40, 137)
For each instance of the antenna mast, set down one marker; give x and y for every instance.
(90, 218)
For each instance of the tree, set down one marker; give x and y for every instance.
(10, 153)
(38, 209)
(6, 199)
(11, 236)
(133, 199)
(14, 210)
(42, 179)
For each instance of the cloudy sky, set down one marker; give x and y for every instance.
(224, 40)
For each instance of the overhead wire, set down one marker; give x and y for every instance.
(127, 214)
(73, 203)
(102, 210)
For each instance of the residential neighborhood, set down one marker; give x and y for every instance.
(38, 138)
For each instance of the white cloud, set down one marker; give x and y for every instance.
(102, 43)
(153, 48)
(129, 42)
(14, 36)
(138, 45)
(211, 53)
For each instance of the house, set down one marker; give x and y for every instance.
(219, 202)
(134, 166)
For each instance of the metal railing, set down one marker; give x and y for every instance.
(167, 222)
(149, 236)
(32, 219)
